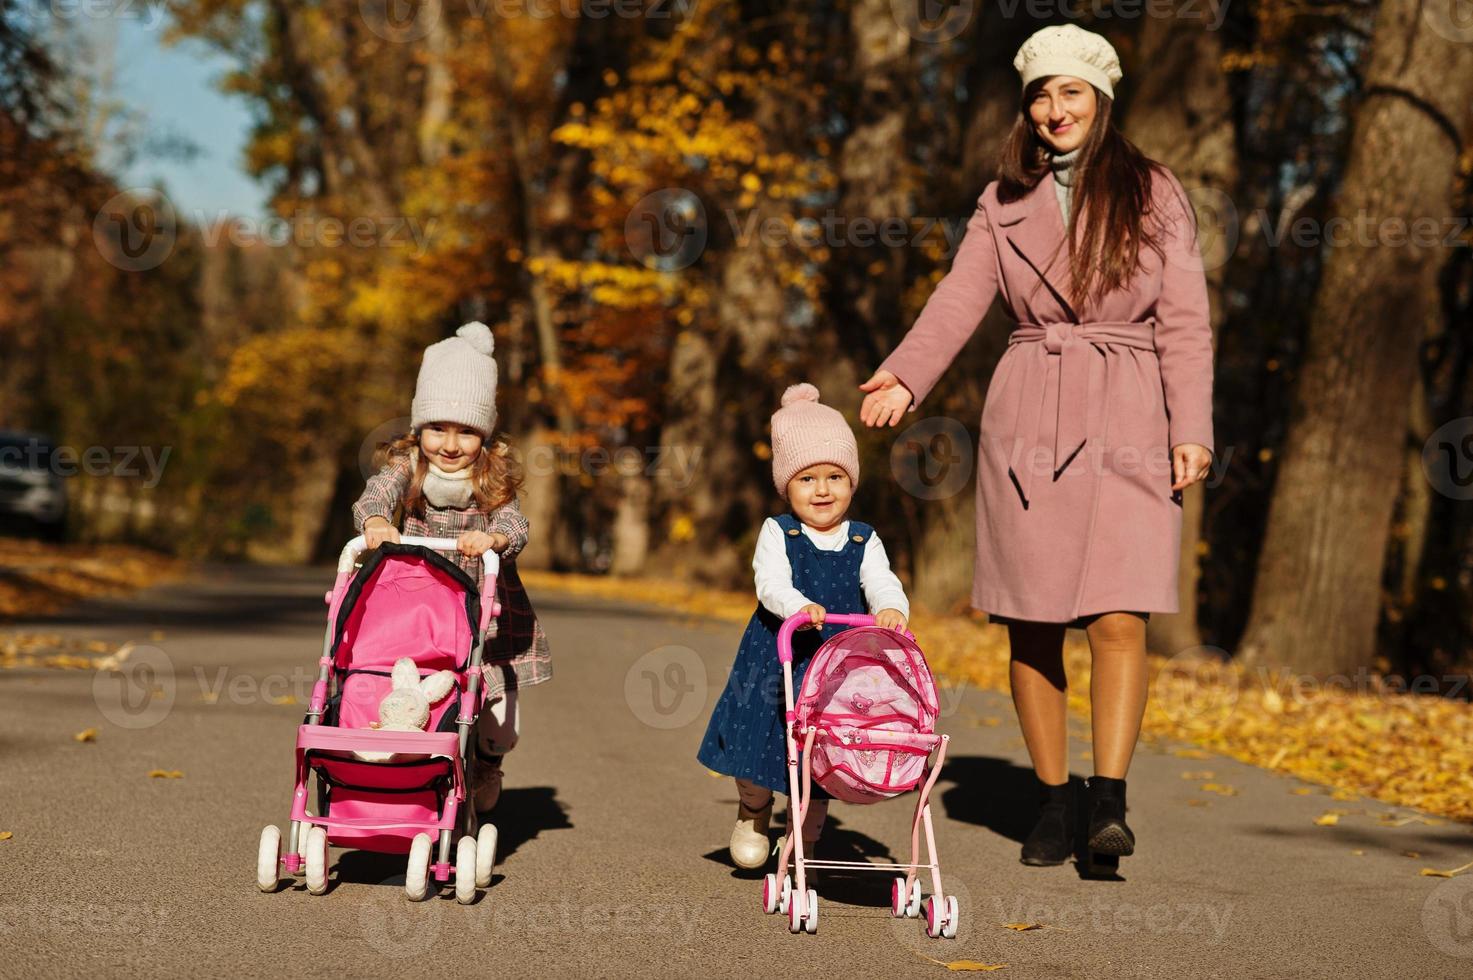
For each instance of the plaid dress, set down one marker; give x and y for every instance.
(518, 656)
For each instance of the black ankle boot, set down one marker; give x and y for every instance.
(1052, 839)
(1110, 838)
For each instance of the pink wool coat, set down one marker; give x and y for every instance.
(1075, 511)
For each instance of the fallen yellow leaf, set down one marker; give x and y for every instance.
(1344, 794)
(1327, 820)
(86, 735)
(165, 774)
(1200, 774)
(1219, 789)
(285, 699)
(1303, 791)
(1433, 872)
(1411, 854)
(1023, 926)
(1195, 802)
(959, 966)
(1358, 852)
(1191, 754)
(5, 835)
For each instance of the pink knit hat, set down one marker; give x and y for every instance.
(805, 433)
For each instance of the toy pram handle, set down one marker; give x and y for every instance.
(490, 561)
(800, 619)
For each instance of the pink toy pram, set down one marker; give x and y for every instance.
(401, 600)
(866, 713)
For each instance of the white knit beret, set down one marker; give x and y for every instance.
(457, 381)
(1068, 49)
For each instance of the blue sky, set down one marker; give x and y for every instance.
(176, 89)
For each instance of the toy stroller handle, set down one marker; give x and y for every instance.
(490, 561)
(793, 622)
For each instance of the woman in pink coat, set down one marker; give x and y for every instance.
(1097, 417)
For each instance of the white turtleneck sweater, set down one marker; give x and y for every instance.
(1063, 167)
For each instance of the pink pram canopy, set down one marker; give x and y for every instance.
(870, 694)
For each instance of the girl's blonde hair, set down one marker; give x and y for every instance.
(496, 478)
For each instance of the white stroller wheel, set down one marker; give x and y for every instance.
(317, 860)
(913, 910)
(933, 917)
(485, 855)
(953, 918)
(268, 859)
(417, 875)
(770, 894)
(795, 924)
(465, 871)
(785, 898)
(810, 923)
(898, 903)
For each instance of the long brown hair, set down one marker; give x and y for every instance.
(496, 478)
(1112, 192)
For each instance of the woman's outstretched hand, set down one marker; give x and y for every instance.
(886, 402)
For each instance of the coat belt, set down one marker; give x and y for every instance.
(1063, 356)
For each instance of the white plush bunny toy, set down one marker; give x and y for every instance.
(406, 708)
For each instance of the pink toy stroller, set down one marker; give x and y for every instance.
(867, 714)
(403, 600)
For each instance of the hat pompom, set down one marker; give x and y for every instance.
(478, 335)
(804, 392)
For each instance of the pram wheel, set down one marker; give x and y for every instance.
(953, 918)
(268, 859)
(316, 853)
(785, 897)
(903, 905)
(417, 875)
(810, 923)
(485, 855)
(465, 871)
(769, 893)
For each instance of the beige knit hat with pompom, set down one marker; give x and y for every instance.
(805, 433)
(1068, 49)
(457, 381)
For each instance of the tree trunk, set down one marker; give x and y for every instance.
(1180, 113)
(1317, 597)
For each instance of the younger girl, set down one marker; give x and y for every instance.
(450, 481)
(812, 560)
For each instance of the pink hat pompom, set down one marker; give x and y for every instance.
(803, 392)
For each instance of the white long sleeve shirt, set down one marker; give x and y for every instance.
(774, 575)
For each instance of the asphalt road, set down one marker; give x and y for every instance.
(613, 836)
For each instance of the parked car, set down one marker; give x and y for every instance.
(31, 491)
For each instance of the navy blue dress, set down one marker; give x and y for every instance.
(746, 735)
